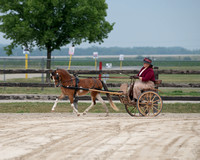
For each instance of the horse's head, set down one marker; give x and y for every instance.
(56, 78)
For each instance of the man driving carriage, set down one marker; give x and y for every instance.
(145, 78)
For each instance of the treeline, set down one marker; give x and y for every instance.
(107, 51)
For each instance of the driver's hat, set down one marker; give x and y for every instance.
(147, 60)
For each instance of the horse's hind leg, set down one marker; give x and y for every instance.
(55, 103)
(93, 97)
(87, 109)
(103, 103)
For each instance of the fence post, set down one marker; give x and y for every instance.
(156, 74)
(4, 75)
(42, 67)
(53, 59)
(100, 69)
(4, 67)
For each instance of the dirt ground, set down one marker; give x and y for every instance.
(95, 137)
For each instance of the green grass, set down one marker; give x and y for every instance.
(30, 90)
(57, 91)
(37, 107)
(181, 108)
(180, 92)
(195, 68)
(167, 78)
(180, 78)
(23, 80)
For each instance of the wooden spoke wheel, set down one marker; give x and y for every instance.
(149, 103)
(132, 110)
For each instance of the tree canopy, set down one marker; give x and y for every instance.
(51, 24)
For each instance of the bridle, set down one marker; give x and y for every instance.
(56, 77)
(59, 79)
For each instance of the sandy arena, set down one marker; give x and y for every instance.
(95, 137)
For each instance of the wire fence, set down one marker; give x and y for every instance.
(89, 63)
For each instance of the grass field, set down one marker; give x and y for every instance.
(56, 91)
(39, 107)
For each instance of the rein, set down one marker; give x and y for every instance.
(91, 89)
(107, 77)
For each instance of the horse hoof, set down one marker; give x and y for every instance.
(78, 114)
(106, 115)
(52, 110)
(84, 113)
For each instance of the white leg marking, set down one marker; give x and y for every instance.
(75, 110)
(54, 106)
(87, 109)
(80, 89)
(54, 82)
(103, 103)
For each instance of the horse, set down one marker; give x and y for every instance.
(71, 87)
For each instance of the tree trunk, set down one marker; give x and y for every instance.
(48, 63)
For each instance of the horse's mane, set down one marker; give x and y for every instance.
(63, 72)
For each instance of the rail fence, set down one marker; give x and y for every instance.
(86, 72)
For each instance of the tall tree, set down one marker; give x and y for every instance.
(51, 24)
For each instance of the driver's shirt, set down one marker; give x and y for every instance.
(147, 74)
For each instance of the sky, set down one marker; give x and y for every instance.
(151, 23)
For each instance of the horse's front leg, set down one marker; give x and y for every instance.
(71, 99)
(76, 102)
(55, 103)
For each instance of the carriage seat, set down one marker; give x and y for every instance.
(158, 82)
(124, 88)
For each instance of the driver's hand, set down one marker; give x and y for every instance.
(134, 77)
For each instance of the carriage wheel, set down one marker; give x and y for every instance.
(149, 103)
(132, 110)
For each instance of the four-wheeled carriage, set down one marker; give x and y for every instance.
(149, 103)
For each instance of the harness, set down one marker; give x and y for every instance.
(71, 85)
(75, 87)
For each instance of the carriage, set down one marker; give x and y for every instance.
(149, 103)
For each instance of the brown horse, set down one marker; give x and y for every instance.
(70, 86)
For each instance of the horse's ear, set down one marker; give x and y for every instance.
(53, 72)
(50, 71)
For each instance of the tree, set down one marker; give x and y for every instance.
(51, 24)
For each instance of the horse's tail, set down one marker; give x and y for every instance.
(109, 97)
